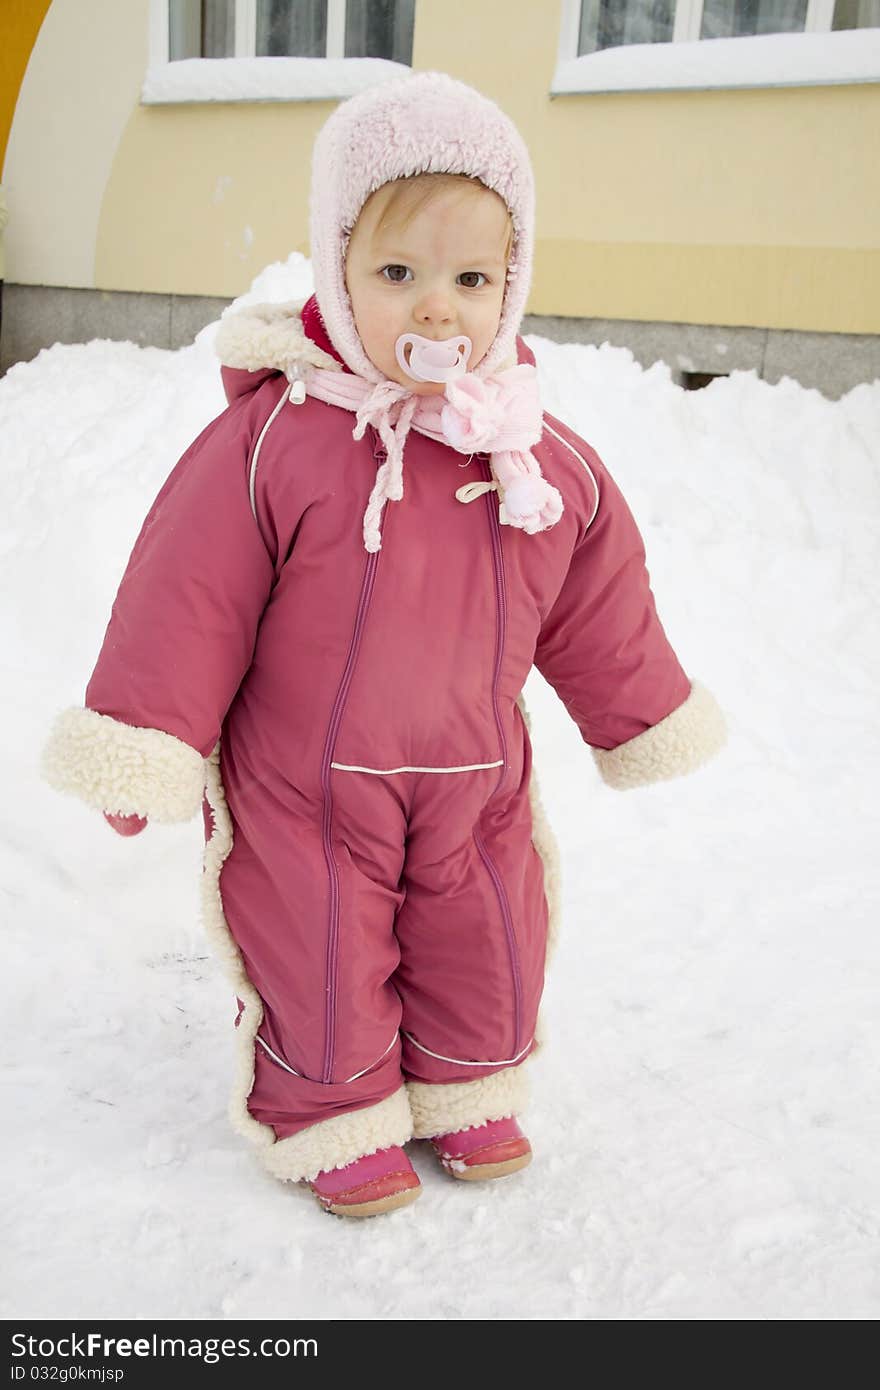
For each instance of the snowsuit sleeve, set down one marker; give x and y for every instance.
(180, 638)
(603, 649)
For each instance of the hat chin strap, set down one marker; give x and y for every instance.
(425, 359)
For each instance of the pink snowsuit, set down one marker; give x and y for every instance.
(379, 874)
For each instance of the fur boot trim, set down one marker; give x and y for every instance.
(440, 1108)
(123, 769)
(341, 1139)
(680, 743)
(226, 950)
(269, 335)
(546, 845)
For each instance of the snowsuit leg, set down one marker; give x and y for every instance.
(309, 898)
(472, 932)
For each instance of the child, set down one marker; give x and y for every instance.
(338, 681)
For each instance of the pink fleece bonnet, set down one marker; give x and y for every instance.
(423, 123)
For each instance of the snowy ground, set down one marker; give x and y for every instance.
(705, 1117)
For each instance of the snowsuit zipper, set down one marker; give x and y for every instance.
(501, 603)
(332, 960)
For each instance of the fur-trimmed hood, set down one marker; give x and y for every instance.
(259, 340)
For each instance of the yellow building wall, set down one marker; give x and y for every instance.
(754, 207)
(758, 207)
(202, 197)
(81, 84)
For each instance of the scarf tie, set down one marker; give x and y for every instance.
(500, 415)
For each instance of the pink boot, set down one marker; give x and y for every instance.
(484, 1151)
(377, 1182)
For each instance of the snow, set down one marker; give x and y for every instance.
(265, 79)
(758, 60)
(705, 1113)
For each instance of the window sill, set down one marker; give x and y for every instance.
(763, 60)
(264, 79)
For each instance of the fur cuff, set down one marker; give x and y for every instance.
(122, 769)
(680, 743)
(333, 1143)
(439, 1108)
(269, 335)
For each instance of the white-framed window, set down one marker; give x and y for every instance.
(274, 50)
(291, 29)
(617, 45)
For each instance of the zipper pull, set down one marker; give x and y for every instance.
(297, 385)
(380, 453)
(471, 491)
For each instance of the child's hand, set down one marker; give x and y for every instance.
(125, 825)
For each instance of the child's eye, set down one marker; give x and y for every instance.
(472, 279)
(391, 273)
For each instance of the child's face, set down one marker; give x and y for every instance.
(440, 275)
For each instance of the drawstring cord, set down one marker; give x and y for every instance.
(503, 412)
(376, 411)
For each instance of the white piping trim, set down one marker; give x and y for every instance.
(388, 772)
(373, 1064)
(457, 1060)
(252, 486)
(275, 1058)
(586, 465)
(281, 1063)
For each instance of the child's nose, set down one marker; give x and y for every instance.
(435, 309)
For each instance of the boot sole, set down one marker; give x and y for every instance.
(376, 1207)
(482, 1171)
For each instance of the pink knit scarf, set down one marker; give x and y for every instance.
(499, 415)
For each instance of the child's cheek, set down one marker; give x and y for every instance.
(369, 320)
(388, 315)
(385, 329)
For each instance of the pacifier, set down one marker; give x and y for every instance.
(426, 360)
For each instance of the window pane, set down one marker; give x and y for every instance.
(856, 14)
(379, 29)
(609, 23)
(201, 29)
(729, 19)
(291, 28)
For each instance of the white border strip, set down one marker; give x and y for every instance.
(457, 1060)
(577, 455)
(389, 771)
(252, 486)
(275, 1058)
(373, 1064)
